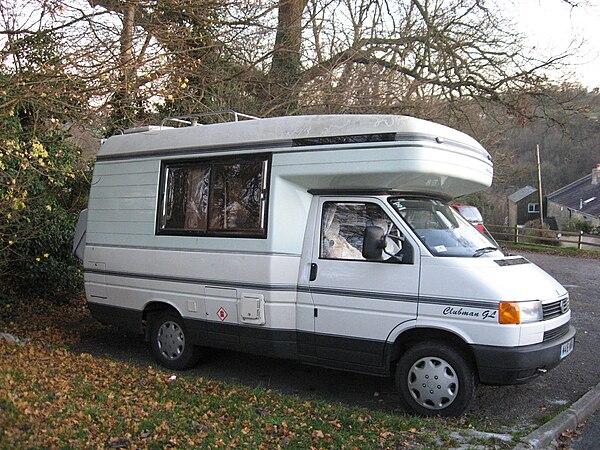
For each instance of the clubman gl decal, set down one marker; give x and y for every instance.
(487, 314)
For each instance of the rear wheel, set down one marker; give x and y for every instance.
(435, 379)
(170, 343)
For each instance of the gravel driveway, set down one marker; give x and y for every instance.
(502, 408)
(527, 404)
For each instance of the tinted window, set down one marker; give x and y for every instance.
(223, 196)
(185, 198)
(236, 196)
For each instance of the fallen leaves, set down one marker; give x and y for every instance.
(119, 443)
(318, 434)
(52, 397)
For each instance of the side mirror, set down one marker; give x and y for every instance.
(373, 243)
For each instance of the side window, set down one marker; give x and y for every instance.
(226, 196)
(185, 204)
(342, 229)
(236, 196)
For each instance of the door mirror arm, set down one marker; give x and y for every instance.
(396, 238)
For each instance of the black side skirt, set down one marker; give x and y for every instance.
(340, 352)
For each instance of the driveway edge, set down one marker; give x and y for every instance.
(569, 419)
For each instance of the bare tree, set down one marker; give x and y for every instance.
(421, 57)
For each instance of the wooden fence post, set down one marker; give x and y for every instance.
(516, 234)
(579, 240)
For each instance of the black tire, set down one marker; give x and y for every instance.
(170, 343)
(435, 379)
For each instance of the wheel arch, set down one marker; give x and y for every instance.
(153, 308)
(416, 335)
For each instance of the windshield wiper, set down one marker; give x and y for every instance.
(481, 251)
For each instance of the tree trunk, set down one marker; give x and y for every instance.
(124, 100)
(286, 68)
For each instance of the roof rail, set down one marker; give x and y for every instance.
(192, 119)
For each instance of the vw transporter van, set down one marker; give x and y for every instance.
(325, 239)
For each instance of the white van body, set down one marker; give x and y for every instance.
(218, 236)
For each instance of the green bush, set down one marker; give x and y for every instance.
(535, 233)
(41, 190)
(43, 265)
(41, 195)
(579, 225)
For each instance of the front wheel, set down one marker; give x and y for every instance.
(435, 379)
(170, 342)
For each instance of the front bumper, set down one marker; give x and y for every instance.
(513, 365)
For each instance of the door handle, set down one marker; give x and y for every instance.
(313, 272)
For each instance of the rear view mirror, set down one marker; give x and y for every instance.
(373, 243)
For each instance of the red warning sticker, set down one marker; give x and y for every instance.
(222, 314)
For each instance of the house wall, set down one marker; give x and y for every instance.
(564, 214)
(512, 213)
(518, 212)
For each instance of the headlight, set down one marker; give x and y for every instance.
(520, 312)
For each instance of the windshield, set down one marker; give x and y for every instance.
(441, 228)
(470, 213)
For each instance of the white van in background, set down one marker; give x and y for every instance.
(326, 239)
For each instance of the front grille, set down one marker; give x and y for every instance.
(556, 309)
(550, 335)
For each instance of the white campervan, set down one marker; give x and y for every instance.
(326, 239)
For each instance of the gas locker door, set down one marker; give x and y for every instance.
(222, 317)
(358, 302)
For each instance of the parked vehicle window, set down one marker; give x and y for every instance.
(471, 213)
(224, 196)
(343, 225)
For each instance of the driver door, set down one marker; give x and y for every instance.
(359, 302)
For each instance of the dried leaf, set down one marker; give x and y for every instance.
(120, 443)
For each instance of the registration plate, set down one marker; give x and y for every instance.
(566, 348)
